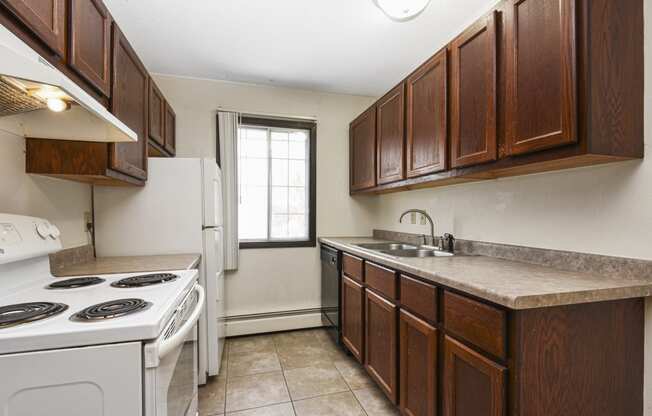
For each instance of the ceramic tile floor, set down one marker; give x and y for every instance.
(298, 373)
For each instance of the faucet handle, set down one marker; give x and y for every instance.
(449, 242)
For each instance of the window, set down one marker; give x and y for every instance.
(276, 183)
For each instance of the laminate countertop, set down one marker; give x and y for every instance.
(513, 284)
(130, 264)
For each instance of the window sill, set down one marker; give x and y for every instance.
(276, 244)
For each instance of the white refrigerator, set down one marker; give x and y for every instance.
(178, 211)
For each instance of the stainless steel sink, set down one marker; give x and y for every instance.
(387, 246)
(417, 252)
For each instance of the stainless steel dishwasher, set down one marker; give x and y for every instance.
(330, 291)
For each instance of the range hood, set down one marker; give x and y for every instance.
(39, 101)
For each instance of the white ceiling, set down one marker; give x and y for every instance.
(343, 46)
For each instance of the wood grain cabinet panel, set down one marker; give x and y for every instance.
(381, 279)
(353, 267)
(170, 130)
(362, 151)
(473, 385)
(90, 42)
(473, 95)
(352, 315)
(419, 297)
(427, 124)
(381, 347)
(541, 108)
(418, 366)
(45, 18)
(390, 136)
(129, 100)
(156, 118)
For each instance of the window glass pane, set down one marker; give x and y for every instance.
(253, 172)
(297, 172)
(297, 227)
(279, 200)
(253, 143)
(279, 226)
(252, 215)
(279, 172)
(298, 144)
(279, 144)
(297, 201)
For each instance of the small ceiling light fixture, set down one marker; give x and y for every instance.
(402, 10)
(57, 105)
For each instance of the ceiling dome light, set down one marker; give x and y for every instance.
(402, 10)
(57, 105)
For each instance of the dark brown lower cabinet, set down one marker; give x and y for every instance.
(381, 346)
(418, 366)
(473, 385)
(352, 310)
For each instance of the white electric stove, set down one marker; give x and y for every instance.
(120, 344)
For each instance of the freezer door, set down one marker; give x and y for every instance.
(212, 193)
(213, 265)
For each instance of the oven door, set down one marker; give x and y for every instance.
(171, 362)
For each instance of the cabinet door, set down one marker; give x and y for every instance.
(45, 18)
(427, 117)
(473, 384)
(473, 100)
(353, 317)
(541, 106)
(156, 119)
(170, 129)
(362, 151)
(90, 35)
(418, 366)
(129, 104)
(390, 134)
(381, 343)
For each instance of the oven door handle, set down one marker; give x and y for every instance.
(180, 336)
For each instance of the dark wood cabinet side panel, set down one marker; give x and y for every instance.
(390, 136)
(417, 366)
(156, 119)
(381, 349)
(352, 315)
(170, 130)
(45, 18)
(580, 360)
(129, 103)
(90, 43)
(474, 94)
(472, 384)
(61, 157)
(427, 117)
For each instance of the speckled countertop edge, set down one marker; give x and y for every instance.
(518, 290)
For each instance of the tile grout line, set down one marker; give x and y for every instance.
(294, 410)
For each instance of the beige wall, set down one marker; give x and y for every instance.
(272, 280)
(62, 202)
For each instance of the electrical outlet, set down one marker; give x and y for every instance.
(422, 219)
(413, 217)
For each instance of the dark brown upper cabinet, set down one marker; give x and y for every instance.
(541, 80)
(45, 18)
(473, 384)
(90, 43)
(473, 95)
(156, 119)
(170, 130)
(129, 103)
(381, 346)
(427, 122)
(362, 151)
(390, 136)
(418, 366)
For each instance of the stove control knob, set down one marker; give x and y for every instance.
(54, 232)
(43, 230)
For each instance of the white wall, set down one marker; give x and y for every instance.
(62, 202)
(272, 280)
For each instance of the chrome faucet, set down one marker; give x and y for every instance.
(427, 217)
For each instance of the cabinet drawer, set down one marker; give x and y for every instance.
(478, 323)
(419, 297)
(381, 279)
(353, 267)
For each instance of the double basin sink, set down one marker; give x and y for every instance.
(405, 250)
